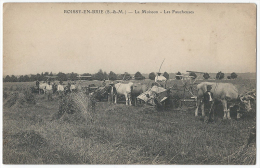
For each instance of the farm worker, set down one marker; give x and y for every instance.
(60, 89)
(54, 87)
(69, 85)
(93, 103)
(208, 103)
(37, 84)
(49, 90)
(104, 83)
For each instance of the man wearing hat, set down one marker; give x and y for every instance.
(49, 90)
(208, 103)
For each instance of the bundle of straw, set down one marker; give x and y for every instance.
(75, 102)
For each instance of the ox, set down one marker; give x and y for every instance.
(42, 87)
(123, 89)
(72, 87)
(138, 89)
(227, 93)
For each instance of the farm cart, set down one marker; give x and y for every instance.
(184, 91)
(102, 93)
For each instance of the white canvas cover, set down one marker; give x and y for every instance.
(157, 89)
(150, 95)
(160, 79)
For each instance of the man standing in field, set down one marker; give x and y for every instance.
(60, 89)
(49, 90)
(69, 85)
(37, 84)
(208, 103)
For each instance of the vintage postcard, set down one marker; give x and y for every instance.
(129, 83)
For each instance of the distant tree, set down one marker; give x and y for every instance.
(220, 75)
(51, 74)
(7, 79)
(152, 76)
(124, 76)
(26, 78)
(46, 74)
(99, 75)
(119, 76)
(233, 75)
(178, 77)
(139, 76)
(42, 76)
(21, 78)
(13, 79)
(193, 74)
(62, 76)
(33, 78)
(73, 76)
(127, 76)
(39, 77)
(112, 75)
(105, 75)
(206, 76)
(166, 75)
(229, 77)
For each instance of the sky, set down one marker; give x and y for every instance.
(213, 37)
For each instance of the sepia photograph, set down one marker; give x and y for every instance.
(129, 83)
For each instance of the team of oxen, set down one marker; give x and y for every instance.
(226, 93)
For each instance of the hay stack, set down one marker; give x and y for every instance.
(246, 155)
(11, 100)
(19, 99)
(75, 103)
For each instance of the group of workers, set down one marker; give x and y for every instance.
(51, 88)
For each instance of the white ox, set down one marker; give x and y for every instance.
(72, 87)
(123, 89)
(60, 88)
(227, 93)
(42, 87)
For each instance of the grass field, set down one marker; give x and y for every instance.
(119, 134)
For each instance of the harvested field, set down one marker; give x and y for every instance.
(35, 133)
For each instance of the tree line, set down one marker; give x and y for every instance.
(100, 75)
(220, 75)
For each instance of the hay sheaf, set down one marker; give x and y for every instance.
(27, 140)
(245, 155)
(74, 107)
(19, 99)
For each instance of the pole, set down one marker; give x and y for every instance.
(160, 68)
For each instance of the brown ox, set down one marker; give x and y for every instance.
(227, 93)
